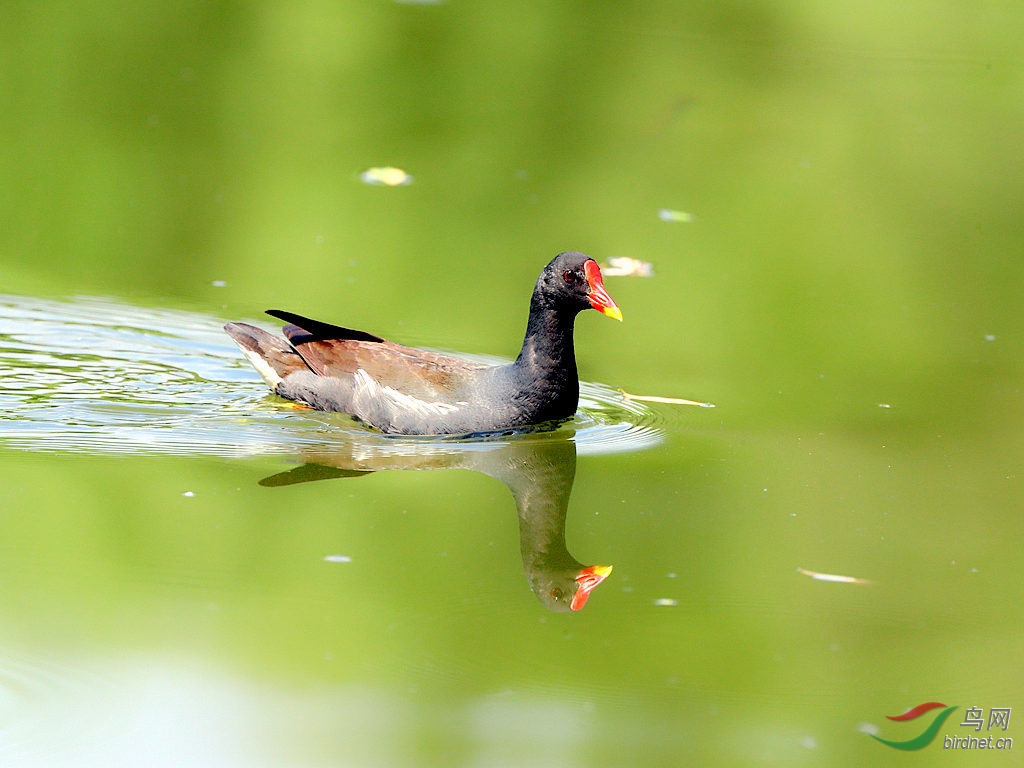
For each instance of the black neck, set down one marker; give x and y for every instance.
(547, 348)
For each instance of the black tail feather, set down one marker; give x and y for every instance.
(315, 330)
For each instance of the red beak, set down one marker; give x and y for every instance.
(598, 296)
(587, 580)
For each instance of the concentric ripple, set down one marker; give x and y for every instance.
(101, 376)
(606, 422)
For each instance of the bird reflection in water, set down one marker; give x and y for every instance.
(539, 469)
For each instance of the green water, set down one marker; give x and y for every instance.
(845, 286)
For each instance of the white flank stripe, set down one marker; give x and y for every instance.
(400, 399)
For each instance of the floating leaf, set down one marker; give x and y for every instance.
(624, 266)
(386, 176)
(670, 400)
(667, 214)
(833, 577)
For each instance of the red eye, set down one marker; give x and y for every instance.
(569, 277)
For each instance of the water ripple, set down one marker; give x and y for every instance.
(97, 375)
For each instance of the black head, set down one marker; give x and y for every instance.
(573, 281)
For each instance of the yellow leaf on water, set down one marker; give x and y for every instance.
(670, 400)
(834, 577)
(386, 176)
(667, 214)
(626, 266)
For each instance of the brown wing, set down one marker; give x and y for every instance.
(335, 351)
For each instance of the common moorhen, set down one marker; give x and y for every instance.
(403, 390)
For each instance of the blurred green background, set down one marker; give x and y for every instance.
(855, 174)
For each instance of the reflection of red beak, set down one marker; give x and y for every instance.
(587, 580)
(598, 296)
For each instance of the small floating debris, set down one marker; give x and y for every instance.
(666, 602)
(885, 405)
(667, 214)
(189, 494)
(658, 399)
(219, 283)
(834, 577)
(625, 266)
(337, 559)
(386, 176)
